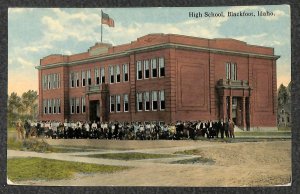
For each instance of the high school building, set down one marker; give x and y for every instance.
(162, 77)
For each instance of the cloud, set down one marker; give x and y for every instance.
(19, 10)
(24, 63)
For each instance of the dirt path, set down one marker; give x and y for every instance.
(236, 164)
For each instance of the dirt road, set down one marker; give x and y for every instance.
(236, 164)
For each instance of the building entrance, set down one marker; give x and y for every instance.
(238, 110)
(94, 110)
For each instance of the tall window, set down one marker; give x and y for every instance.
(125, 73)
(126, 104)
(54, 105)
(146, 69)
(231, 71)
(154, 100)
(77, 79)
(88, 76)
(118, 103)
(161, 67)
(102, 71)
(72, 80)
(77, 106)
(49, 106)
(112, 103)
(97, 76)
(139, 72)
(83, 80)
(58, 105)
(54, 81)
(72, 105)
(111, 74)
(58, 80)
(118, 74)
(147, 101)
(49, 81)
(153, 68)
(83, 104)
(162, 100)
(45, 82)
(139, 100)
(45, 106)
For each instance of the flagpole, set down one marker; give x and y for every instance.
(101, 25)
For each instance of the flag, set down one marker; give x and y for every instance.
(105, 19)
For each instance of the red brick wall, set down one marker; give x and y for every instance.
(189, 83)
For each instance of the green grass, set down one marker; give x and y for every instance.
(284, 129)
(194, 161)
(41, 146)
(23, 169)
(129, 156)
(189, 152)
(263, 133)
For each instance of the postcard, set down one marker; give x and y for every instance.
(160, 96)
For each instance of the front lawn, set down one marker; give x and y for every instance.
(24, 169)
(130, 156)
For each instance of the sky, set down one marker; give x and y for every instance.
(34, 33)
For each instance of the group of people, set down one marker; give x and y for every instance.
(128, 130)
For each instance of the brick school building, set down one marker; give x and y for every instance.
(162, 77)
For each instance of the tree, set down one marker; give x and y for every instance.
(282, 96)
(24, 107)
(14, 108)
(29, 101)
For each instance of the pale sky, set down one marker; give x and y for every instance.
(34, 33)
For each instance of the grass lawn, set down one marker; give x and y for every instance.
(189, 152)
(130, 156)
(23, 169)
(263, 133)
(194, 161)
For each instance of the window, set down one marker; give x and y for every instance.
(58, 80)
(111, 74)
(139, 100)
(77, 106)
(45, 82)
(112, 103)
(125, 73)
(118, 102)
(288, 119)
(45, 106)
(146, 69)
(88, 76)
(147, 101)
(126, 104)
(154, 68)
(54, 105)
(77, 79)
(139, 72)
(58, 106)
(154, 100)
(97, 76)
(161, 67)
(118, 74)
(72, 105)
(72, 80)
(231, 71)
(83, 104)
(49, 81)
(162, 100)
(49, 106)
(83, 79)
(54, 81)
(102, 75)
